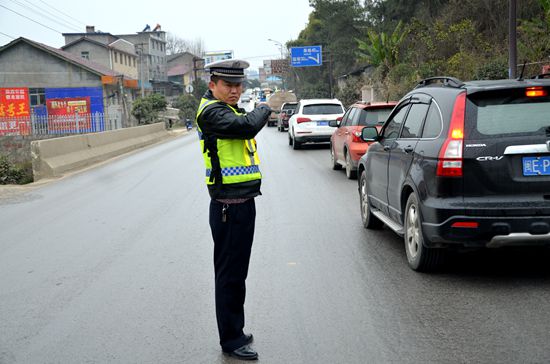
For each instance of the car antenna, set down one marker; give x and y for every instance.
(522, 70)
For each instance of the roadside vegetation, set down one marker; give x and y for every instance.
(11, 173)
(392, 44)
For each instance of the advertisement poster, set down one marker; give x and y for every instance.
(14, 111)
(68, 114)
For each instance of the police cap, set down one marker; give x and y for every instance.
(230, 70)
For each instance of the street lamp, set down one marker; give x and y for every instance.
(279, 44)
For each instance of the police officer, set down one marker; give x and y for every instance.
(233, 178)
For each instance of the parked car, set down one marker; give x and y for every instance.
(287, 109)
(461, 165)
(310, 122)
(346, 145)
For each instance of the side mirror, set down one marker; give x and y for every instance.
(369, 134)
(290, 112)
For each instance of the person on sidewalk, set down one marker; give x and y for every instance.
(233, 177)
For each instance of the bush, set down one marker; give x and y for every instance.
(146, 109)
(14, 174)
(188, 106)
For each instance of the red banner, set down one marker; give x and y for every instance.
(68, 114)
(14, 110)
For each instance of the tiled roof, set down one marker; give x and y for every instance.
(69, 57)
(177, 70)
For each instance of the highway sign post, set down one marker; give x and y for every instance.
(309, 56)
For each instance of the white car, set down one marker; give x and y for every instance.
(310, 122)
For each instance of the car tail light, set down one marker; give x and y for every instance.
(465, 224)
(450, 160)
(302, 120)
(535, 92)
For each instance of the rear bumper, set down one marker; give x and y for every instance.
(310, 138)
(490, 232)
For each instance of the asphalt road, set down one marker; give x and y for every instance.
(114, 265)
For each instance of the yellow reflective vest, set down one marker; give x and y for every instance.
(234, 160)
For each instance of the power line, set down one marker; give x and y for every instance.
(7, 35)
(42, 15)
(24, 16)
(59, 11)
(71, 24)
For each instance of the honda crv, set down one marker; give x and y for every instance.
(461, 164)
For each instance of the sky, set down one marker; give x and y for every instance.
(243, 26)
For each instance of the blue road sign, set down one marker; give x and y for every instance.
(306, 56)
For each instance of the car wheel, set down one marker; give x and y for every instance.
(369, 220)
(335, 165)
(289, 139)
(350, 173)
(420, 257)
(296, 145)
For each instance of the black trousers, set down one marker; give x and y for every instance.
(232, 245)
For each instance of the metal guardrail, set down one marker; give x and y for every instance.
(58, 124)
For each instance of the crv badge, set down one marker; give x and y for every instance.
(485, 159)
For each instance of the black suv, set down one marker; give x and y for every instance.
(461, 164)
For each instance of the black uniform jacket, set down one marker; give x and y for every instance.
(218, 121)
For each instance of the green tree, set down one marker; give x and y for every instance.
(146, 109)
(382, 49)
(188, 105)
(199, 88)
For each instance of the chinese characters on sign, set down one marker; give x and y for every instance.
(68, 114)
(14, 111)
(306, 56)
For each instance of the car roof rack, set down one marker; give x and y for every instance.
(541, 76)
(444, 81)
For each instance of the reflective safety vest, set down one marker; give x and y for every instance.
(234, 160)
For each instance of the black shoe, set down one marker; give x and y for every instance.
(245, 352)
(249, 339)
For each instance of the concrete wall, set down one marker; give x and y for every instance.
(54, 157)
(18, 148)
(98, 54)
(26, 66)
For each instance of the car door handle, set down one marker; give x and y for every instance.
(409, 149)
(386, 148)
(346, 133)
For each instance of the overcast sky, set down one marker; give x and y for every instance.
(243, 26)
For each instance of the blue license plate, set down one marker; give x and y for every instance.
(536, 166)
(322, 123)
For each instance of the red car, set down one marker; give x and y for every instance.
(346, 146)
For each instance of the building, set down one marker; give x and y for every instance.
(119, 55)
(151, 50)
(185, 68)
(39, 81)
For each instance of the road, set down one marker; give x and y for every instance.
(114, 265)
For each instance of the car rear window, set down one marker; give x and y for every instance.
(508, 113)
(290, 107)
(323, 109)
(373, 117)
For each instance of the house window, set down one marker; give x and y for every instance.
(37, 96)
(116, 57)
(85, 54)
(134, 61)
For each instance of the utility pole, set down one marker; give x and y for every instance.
(139, 49)
(512, 57)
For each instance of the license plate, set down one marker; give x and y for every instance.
(536, 166)
(322, 123)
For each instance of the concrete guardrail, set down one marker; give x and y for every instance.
(53, 157)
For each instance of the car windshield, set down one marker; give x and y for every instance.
(373, 117)
(510, 113)
(323, 109)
